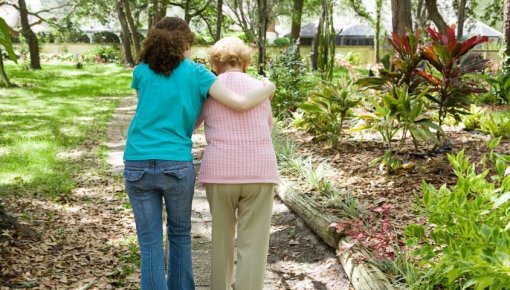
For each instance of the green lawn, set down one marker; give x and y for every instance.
(48, 116)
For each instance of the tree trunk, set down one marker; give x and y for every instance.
(261, 43)
(152, 11)
(401, 16)
(462, 17)
(421, 13)
(187, 8)
(219, 20)
(506, 27)
(435, 16)
(4, 80)
(326, 49)
(377, 36)
(157, 10)
(31, 38)
(314, 58)
(297, 14)
(124, 35)
(132, 27)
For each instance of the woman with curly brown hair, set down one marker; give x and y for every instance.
(158, 160)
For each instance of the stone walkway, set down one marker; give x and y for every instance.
(201, 217)
(277, 276)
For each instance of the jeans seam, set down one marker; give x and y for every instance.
(150, 248)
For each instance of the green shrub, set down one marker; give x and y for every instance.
(104, 53)
(282, 41)
(500, 86)
(327, 108)
(466, 242)
(77, 37)
(473, 120)
(496, 124)
(202, 40)
(287, 71)
(105, 37)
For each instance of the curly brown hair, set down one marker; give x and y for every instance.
(166, 43)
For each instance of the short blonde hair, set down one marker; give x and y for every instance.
(229, 51)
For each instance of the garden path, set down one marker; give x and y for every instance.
(297, 258)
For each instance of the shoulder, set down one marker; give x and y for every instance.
(239, 77)
(141, 69)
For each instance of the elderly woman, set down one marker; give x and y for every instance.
(239, 172)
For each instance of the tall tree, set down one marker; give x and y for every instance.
(263, 21)
(244, 12)
(461, 18)
(157, 10)
(219, 19)
(377, 26)
(435, 16)
(30, 37)
(327, 36)
(297, 14)
(506, 28)
(132, 27)
(401, 16)
(421, 15)
(124, 34)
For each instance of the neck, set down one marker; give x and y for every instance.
(232, 69)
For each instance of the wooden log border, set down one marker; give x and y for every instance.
(361, 276)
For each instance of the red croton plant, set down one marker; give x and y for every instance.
(452, 62)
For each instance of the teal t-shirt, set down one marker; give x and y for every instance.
(168, 107)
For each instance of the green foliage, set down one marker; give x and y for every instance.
(46, 120)
(473, 120)
(77, 37)
(500, 86)
(400, 112)
(496, 124)
(466, 242)
(105, 37)
(201, 39)
(452, 62)
(327, 108)
(282, 42)
(104, 53)
(5, 40)
(287, 72)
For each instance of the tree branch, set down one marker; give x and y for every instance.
(199, 12)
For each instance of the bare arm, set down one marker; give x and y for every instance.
(241, 102)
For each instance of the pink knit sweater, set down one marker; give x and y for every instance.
(239, 146)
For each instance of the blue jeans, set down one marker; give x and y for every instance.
(148, 182)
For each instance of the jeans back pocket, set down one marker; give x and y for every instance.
(134, 180)
(178, 173)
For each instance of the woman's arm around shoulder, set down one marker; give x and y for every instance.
(239, 102)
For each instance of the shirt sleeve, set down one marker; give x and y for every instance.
(136, 79)
(205, 79)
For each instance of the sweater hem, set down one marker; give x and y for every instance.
(230, 181)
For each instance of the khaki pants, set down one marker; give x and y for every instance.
(254, 205)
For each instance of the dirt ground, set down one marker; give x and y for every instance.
(351, 168)
(88, 236)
